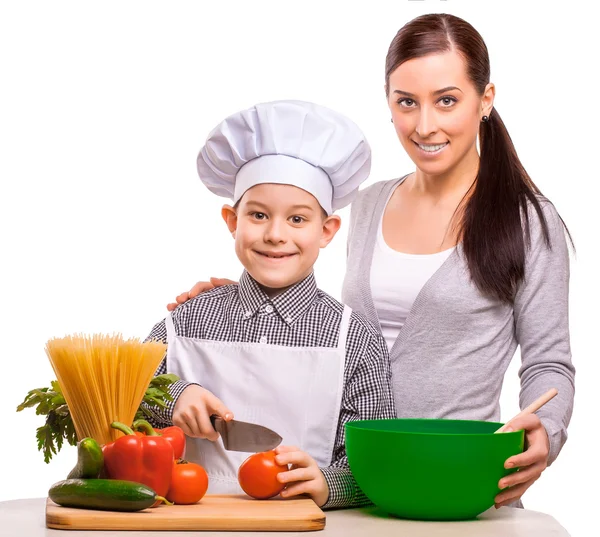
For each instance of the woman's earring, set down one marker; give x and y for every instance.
(485, 119)
(391, 119)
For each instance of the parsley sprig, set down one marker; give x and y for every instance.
(58, 428)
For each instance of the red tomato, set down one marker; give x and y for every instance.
(189, 482)
(258, 475)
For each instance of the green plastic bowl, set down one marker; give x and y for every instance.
(430, 469)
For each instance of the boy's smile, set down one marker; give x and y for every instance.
(278, 232)
(275, 255)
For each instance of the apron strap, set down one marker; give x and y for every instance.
(170, 329)
(344, 325)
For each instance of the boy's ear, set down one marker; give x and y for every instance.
(331, 226)
(229, 214)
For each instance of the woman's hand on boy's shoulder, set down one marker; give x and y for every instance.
(200, 287)
(193, 410)
(304, 476)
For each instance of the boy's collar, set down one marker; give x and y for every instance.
(291, 304)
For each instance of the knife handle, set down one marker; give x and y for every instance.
(213, 417)
(221, 429)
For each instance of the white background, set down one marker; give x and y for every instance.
(104, 106)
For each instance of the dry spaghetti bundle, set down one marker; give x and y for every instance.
(103, 379)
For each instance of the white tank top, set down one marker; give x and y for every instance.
(396, 280)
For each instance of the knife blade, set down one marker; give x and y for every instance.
(244, 436)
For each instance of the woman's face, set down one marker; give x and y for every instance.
(436, 111)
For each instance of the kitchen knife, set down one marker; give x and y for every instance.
(244, 436)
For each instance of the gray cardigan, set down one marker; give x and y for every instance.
(450, 357)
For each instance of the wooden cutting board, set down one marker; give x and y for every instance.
(213, 512)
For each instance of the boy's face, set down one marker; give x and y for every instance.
(278, 231)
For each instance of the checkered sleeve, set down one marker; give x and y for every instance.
(367, 395)
(163, 417)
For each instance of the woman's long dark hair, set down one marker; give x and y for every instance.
(493, 236)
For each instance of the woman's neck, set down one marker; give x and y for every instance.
(454, 182)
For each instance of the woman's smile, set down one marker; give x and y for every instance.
(431, 150)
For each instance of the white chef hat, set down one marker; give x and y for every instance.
(287, 142)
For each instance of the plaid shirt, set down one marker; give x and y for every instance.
(301, 316)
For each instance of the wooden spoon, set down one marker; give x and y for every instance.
(536, 405)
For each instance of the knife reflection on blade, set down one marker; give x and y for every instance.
(244, 436)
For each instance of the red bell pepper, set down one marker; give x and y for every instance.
(144, 459)
(173, 434)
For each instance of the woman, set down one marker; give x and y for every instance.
(463, 259)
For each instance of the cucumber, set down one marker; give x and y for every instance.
(103, 494)
(90, 460)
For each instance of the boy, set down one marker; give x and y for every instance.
(274, 349)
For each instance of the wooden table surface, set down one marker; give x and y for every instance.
(26, 518)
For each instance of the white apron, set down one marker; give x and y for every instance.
(295, 391)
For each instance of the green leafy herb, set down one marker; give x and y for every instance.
(59, 427)
(156, 395)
